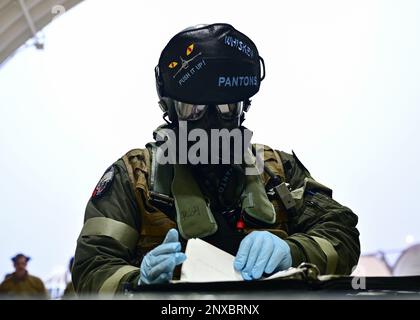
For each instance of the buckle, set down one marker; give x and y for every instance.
(285, 195)
(161, 198)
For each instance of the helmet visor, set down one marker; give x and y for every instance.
(230, 111)
(187, 111)
(191, 112)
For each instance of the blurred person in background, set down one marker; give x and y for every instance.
(20, 282)
(69, 291)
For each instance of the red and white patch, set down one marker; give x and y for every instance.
(105, 182)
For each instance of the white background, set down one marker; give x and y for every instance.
(342, 91)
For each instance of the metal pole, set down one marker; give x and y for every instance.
(31, 24)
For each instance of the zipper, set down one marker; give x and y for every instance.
(313, 204)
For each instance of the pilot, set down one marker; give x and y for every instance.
(203, 178)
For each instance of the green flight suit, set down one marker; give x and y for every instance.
(322, 232)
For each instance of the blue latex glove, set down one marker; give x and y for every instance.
(158, 264)
(262, 252)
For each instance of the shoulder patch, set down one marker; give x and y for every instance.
(104, 184)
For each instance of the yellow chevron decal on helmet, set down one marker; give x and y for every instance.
(190, 49)
(173, 64)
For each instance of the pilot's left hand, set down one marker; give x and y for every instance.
(262, 252)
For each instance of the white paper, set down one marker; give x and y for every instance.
(207, 263)
(282, 274)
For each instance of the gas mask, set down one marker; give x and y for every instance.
(225, 139)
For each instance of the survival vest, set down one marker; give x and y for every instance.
(151, 183)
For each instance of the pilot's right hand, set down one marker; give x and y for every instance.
(158, 265)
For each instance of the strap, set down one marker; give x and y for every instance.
(137, 162)
(255, 201)
(111, 284)
(272, 161)
(330, 253)
(161, 175)
(193, 214)
(121, 232)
